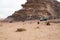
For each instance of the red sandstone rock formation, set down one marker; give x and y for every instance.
(34, 9)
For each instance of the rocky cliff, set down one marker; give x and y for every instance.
(35, 9)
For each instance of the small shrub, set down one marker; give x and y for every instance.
(48, 23)
(10, 21)
(20, 30)
(37, 22)
(37, 27)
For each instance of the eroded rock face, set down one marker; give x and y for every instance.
(34, 9)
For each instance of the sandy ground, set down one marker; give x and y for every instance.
(33, 31)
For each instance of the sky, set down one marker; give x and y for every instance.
(8, 7)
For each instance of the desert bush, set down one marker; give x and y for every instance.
(37, 27)
(48, 23)
(10, 21)
(20, 30)
(37, 22)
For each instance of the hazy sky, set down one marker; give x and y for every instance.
(7, 7)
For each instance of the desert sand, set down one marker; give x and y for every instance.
(33, 31)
